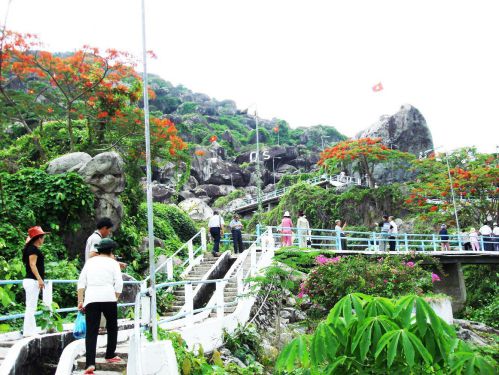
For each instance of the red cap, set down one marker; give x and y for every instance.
(35, 232)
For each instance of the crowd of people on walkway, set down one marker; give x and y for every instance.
(486, 238)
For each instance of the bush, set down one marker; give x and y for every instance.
(222, 201)
(333, 278)
(374, 335)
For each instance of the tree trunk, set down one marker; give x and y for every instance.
(70, 130)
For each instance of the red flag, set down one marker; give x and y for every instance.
(378, 87)
(213, 138)
(276, 129)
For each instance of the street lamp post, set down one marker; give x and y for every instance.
(150, 224)
(258, 172)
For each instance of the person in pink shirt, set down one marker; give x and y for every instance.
(286, 232)
(475, 244)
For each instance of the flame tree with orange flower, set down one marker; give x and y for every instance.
(475, 180)
(361, 155)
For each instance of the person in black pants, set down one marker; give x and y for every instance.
(99, 287)
(216, 225)
(237, 237)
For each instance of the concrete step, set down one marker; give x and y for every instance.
(102, 365)
(6, 344)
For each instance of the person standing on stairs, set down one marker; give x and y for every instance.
(34, 263)
(237, 237)
(216, 225)
(99, 287)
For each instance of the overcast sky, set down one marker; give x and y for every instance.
(307, 62)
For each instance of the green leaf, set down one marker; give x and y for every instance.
(323, 345)
(421, 319)
(408, 349)
(420, 348)
(403, 310)
(392, 348)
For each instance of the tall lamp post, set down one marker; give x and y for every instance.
(258, 171)
(150, 224)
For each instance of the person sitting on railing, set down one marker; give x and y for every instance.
(99, 287)
(286, 232)
(34, 264)
(216, 226)
(339, 228)
(303, 231)
(237, 237)
(444, 237)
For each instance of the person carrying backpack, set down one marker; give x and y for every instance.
(385, 228)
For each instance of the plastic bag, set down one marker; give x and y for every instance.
(80, 327)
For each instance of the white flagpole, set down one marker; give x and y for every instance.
(150, 224)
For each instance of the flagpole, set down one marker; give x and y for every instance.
(150, 223)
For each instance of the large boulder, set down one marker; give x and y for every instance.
(68, 163)
(196, 208)
(213, 191)
(406, 131)
(207, 169)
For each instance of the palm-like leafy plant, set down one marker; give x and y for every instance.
(375, 335)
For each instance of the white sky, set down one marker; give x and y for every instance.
(307, 62)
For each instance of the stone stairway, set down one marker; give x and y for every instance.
(196, 273)
(230, 290)
(101, 366)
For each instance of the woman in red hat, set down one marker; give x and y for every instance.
(34, 263)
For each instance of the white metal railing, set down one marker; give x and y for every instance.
(337, 180)
(376, 241)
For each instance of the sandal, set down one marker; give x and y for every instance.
(114, 359)
(90, 370)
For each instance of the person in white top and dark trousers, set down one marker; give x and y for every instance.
(393, 233)
(216, 225)
(495, 233)
(487, 238)
(103, 229)
(99, 287)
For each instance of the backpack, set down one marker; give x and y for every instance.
(386, 227)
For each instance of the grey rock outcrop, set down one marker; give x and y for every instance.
(68, 163)
(406, 131)
(196, 208)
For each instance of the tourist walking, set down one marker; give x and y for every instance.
(495, 236)
(34, 265)
(286, 231)
(444, 238)
(486, 233)
(216, 225)
(102, 230)
(393, 233)
(475, 243)
(339, 228)
(99, 287)
(303, 230)
(237, 237)
(385, 228)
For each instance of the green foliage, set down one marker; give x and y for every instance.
(49, 319)
(244, 343)
(391, 276)
(297, 259)
(375, 335)
(482, 297)
(33, 197)
(222, 201)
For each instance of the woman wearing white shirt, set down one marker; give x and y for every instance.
(99, 287)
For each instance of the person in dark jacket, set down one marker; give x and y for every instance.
(444, 237)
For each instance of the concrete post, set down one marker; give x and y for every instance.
(220, 299)
(189, 305)
(169, 268)
(434, 240)
(406, 240)
(190, 249)
(452, 284)
(203, 239)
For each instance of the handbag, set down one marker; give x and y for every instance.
(80, 326)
